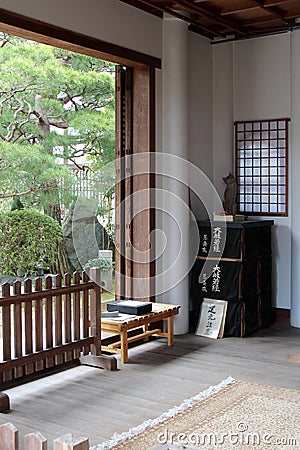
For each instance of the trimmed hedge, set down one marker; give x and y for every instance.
(102, 263)
(28, 239)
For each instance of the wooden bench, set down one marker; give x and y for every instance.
(125, 322)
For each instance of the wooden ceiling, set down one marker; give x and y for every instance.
(228, 19)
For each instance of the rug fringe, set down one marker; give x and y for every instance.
(188, 403)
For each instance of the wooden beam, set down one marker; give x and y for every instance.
(162, 7)
(292, 15)
(274, 2)
(140, 221)
(275, 12)
(230, 24)
(102, 361)
(255, 4)
(272, 10)
(149, 9)
(259, 21)
(234, 9)
(43, 32)
(254, 32)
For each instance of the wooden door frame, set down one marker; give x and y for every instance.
(28, 28)
(143, 68)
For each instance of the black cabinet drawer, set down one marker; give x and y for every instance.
(237, 240)
(239, 271)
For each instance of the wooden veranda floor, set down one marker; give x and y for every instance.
(97, 404)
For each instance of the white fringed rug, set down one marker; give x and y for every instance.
(230, 416)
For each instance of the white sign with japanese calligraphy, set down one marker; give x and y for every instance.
(217, 236)
(212, 318)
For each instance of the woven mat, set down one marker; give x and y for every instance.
(239, 416)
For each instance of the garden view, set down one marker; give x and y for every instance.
(57, 131)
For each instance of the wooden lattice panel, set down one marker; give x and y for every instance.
(262, 167)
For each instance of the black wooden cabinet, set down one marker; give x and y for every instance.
(240, 274)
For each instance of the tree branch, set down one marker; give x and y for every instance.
(14, 194)
(44, 187)
(58, 123)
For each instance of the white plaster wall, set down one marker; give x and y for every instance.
(262, 83)
(222, 114)
(261, 89)
(262, 78)
(109, 20)
(200, 112)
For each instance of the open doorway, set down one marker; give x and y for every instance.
(140, 128)
(57, 133)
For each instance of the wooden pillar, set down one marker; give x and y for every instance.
(134, 216)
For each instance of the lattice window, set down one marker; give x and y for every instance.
(262, 167)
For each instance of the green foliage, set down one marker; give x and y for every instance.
(55, 107)
(57, 100)
(27, 239)
(30, 171)
(101, 263)
(43, 82)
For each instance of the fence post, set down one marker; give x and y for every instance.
(6, 323)
(95, 358)
(95, 311)
(18, 327)
(35, 441)
(71, 442)
(4, 402)
(9, 437)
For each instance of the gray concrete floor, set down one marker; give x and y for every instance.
(95, 403)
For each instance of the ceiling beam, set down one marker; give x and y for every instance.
(229, 24)
(238, 9)
(177, 14)
(274, 2)
(256, 4)
(276, 13)
(144, 7)
(209, 19)
(258, 21)
(273, 10)
(293, 15)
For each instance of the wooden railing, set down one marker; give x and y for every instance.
(49, 324)
(9, 440)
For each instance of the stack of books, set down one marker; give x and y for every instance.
(223, 217)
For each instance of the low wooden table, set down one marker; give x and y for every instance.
(121, 325)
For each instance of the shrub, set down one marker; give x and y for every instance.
(102, 263)
(27, 239)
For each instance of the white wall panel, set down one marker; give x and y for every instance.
(109, 20)
(262, 83)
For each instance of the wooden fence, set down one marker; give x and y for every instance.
(9, 440)
(48, 324)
